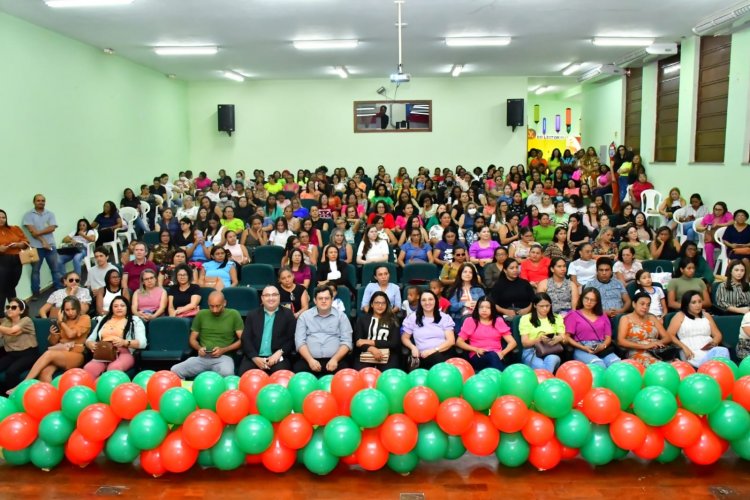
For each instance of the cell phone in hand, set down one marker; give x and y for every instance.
(53, 322)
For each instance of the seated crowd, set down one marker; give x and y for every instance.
(535, 266)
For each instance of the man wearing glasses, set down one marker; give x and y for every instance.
(268, 337)
(323, 337)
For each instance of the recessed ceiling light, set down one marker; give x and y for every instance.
(59, 4)
(186, 51)
(234, 76)
(572, 68)
(480, 41)
(457, 69)
(341, 71)
(325, 44)
(614, 41)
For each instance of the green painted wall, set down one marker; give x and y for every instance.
(302, 124)
(79, 126)
(602, 110)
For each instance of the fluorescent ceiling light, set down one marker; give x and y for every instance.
(186, 51)
(614, 41)
(674, 68)
(541, 90)
(341, 71)
(571, 69)
(457, 69)
(481, 41)
(325, 44)
(234, 76)
(58, 4)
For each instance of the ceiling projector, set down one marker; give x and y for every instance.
(400, 77)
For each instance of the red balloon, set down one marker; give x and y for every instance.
(128, 400)
(708, 449)
(371, 454)
(251, 382)
(202, 429)
(254, 459)
(542, 374)
(740, 392)
(73, 377)
(578, 377)
(232, 406)
(601, 406)
(721, 373)
(295, 431)
(369, 377)
(652, 446)
(350, 459)
(482, 437)
(569, 453)
(281, 377)
(97, 422)
(538, 430)
(399, 434)
(683, 368)
(159, 383)
(683, 430)
(463, 366)
(641, 369)
(546, 456)
(18, 431)
(319, 407)
(81, 451)
(509, 414)
(455, 416)
(278, 458)
(628, 431)
(151, 462)
(41, 399)
(421, 404)
(345, 384)
(176, 455)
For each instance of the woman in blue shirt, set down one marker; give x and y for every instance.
(464, 294)
(415, 250)
(219, 272)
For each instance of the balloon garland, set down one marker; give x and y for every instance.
(376, 420)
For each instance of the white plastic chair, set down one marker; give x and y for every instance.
(128, 216)
(650, 200)
(679, 233)
(88, 261)
(722, 261)
(145, 209)
(701, 238)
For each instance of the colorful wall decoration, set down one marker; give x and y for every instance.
(547, 111)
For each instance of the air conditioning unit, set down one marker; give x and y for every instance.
(725, 21)
(653, 52)
(601, 72)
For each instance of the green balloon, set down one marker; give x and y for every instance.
(20, 390)
(176, 404)
(625, 381)
(744, 367)
(480, 391)
(669, 453)
(655, 405)
(44, 455)
(572, 430)
(403, 464)
(456, 448)
(119, 448)
(207, 387)
(55, 428)
(324, 383)
(231, 382)
(597, 375)
(446, 380)
(300, 385)
(147, 430)
(519, 380)
(494, 374)
(731, 364)
(432, 442)
(107, 382)
(56, 382)
(729, 421)
(254, 434)
(394, 384)
(226, 454)
(18, 457)
(599, 449)
(274, 402)
(418, 377)
(619, 453)
(699, 394)
(740, 446)
(75, 400)
(553, 398)
(142, 378)
(204, 458)
(8, 407)
(316, 456)
(342, 436)
(663, 375)
(513, 450)
(369, 408)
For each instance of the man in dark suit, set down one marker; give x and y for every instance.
(268, 337)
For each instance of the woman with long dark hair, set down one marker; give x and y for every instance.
(733, 297)
(106, 223)
(113, 287)
(540, 329)
(12, 241)
(512, 295)
(431, 330)
(219, 272)
(19, 350)
(75, 244)
(464, 293)
(377, 336)
(486, 337)
(695, 332)
(590, 331)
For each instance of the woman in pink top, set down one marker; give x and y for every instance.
(718, 218)
(483, 336)
(589, 330)
(150, 300)
(482, 251)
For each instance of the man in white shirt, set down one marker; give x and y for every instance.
(535, 198)
(96, 274)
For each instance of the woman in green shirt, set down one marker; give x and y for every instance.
(381, 194)
(545, 231)
(541, 327)
(690, 251)
(642, 252)
(686, 281)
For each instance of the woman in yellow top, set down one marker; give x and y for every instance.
(544, 328)
(230, 222)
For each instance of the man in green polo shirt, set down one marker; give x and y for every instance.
(215, 334)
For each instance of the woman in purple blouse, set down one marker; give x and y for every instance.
(428, 333)
(589, 330)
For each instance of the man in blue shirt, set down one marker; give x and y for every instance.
(615, 299)
(41, 225)
(268, 337)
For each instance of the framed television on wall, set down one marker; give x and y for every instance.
(388, 116)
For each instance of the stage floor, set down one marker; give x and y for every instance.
(466, 478)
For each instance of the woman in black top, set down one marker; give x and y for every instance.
(184, 296)
(293, 296)
(577, 232)
(512, 295)
(327, 275)
(377, 335)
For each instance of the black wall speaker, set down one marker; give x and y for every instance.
(515, 113)
(226, 118)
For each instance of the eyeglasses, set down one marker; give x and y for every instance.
(589, 299)
(12, 307)
(378, 303)
(461, 254)
(74, 280)
(270, 295)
